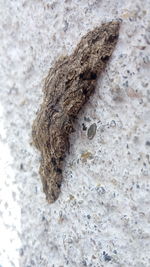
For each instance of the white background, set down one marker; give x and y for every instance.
(102, 217)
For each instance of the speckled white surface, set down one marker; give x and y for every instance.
(102, 217)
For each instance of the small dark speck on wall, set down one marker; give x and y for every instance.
(106, 256)
(147, 143)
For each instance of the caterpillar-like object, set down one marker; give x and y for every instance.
(68, 86)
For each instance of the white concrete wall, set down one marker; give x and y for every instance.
(102, 217)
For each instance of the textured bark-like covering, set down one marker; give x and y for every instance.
(67, 88)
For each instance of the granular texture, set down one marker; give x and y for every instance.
(67, 88)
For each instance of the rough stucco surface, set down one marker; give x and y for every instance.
(102, 217)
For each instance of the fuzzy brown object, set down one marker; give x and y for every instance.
(67, 88)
